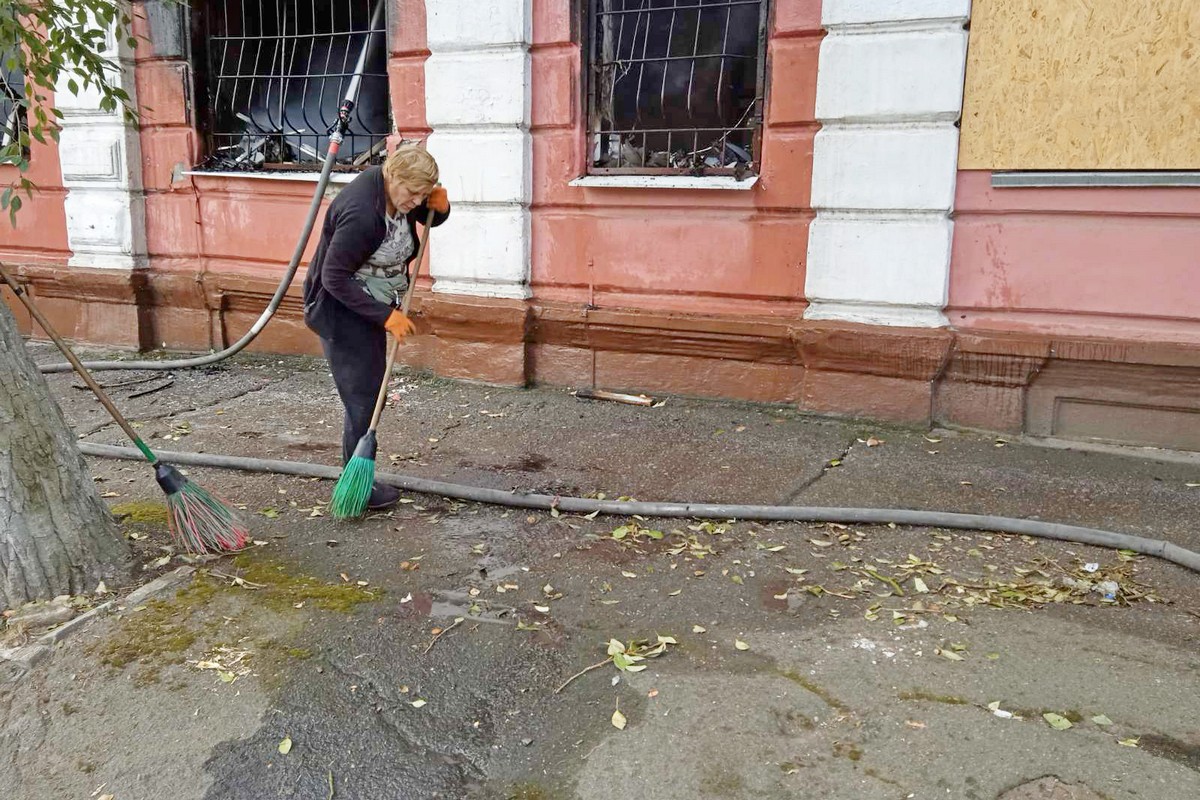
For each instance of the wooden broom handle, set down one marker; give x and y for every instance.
(405, 304)
(41, 320)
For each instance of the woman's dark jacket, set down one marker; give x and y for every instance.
(354, 229)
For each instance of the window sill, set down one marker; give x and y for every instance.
(310, 177)
(1094, 179)
(722, 182)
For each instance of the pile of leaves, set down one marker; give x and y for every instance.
(933, 589)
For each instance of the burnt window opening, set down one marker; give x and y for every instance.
(14, 138)
(676, 86)
(274, 74)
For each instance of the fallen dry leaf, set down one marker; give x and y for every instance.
(618, 720)
(740, 645)
(1057, 721)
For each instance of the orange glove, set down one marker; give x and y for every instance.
(399, 325)
(438, 200)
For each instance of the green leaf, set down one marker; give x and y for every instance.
(615, 646)
(1057, 721)
(1100, 719)
(285, 746)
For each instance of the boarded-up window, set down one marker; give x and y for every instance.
(1083, 85)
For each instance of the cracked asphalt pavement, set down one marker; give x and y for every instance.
(808, 660)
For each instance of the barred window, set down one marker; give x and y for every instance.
(676, 86)
(12, 109)
(274, 74)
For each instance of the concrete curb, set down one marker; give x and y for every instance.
(29, 656)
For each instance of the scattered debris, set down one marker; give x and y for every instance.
(625, 657)
(440, 633)
(616, 397)
(228, 662)
(618, 719)
(1057, 721)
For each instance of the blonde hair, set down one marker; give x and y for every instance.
(413, 168)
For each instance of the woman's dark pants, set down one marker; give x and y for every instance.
(357, 356)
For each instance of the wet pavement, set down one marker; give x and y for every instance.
(793, 666)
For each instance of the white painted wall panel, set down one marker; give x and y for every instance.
(861, 12)
(885, 169)
(892, 76)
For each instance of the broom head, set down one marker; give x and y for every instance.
(353, 489)
(199, 522)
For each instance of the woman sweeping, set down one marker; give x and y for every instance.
(358, 276)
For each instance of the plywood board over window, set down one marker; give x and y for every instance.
(1082, 84)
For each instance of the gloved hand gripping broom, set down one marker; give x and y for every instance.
(198, 521)
(353, 489)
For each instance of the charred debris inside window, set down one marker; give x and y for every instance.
(676, 86)
(274, 74)
(13, 138)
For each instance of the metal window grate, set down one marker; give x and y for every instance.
(277, 71)
(676, 86)
(12, 108)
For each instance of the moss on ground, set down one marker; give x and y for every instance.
(163, 631)
(282, 590)
(819, 691)
(141, 511)
(159, 633)
(947, 699)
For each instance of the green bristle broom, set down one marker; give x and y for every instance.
(198, 521)
(353, 489)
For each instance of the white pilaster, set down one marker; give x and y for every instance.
(477, 100)
(100, 156)
(889, 92)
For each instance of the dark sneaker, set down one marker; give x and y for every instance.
(383, 497)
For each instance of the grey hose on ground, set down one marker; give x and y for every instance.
(579, 505)
(285, 282)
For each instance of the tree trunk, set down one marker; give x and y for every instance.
(56, 535)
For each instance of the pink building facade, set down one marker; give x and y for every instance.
(823, 248)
